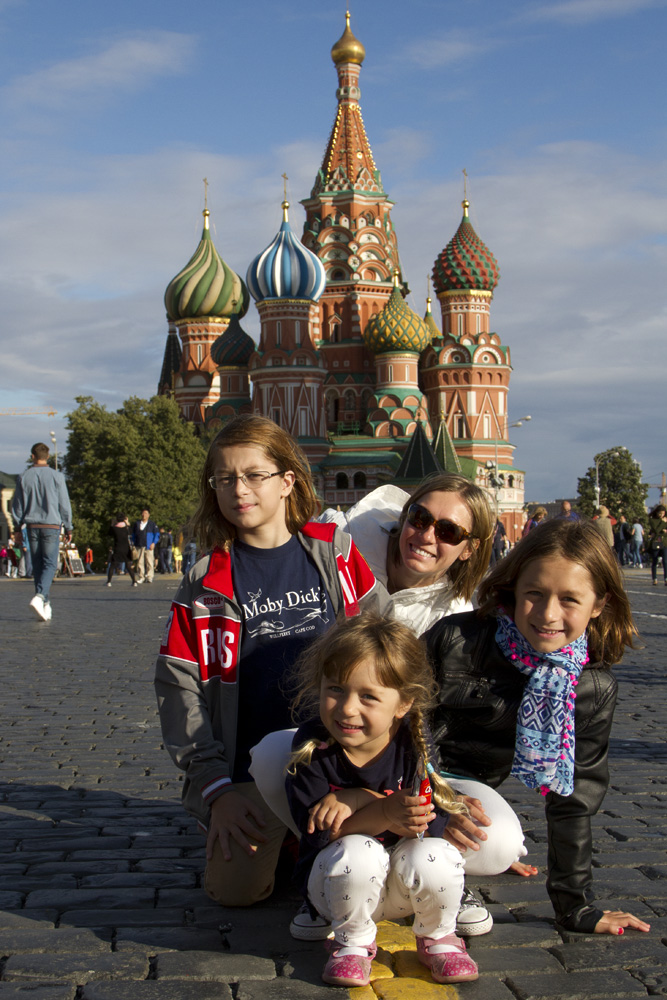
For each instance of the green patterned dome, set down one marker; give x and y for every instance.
(206, 286)
(233, 347)
(466, 262)
(396, 327)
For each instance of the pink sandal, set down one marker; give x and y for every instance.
(447, 959)
(346, 969)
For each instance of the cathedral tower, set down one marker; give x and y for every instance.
(348, 225)
(200, 301)
(287, 373)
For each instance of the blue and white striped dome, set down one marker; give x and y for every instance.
(286, 269)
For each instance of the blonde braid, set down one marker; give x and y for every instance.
(304, 754)
(444, 795)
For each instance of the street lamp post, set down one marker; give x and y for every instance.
(55, 447)
(496, 481)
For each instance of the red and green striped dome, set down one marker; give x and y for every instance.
(466, 262)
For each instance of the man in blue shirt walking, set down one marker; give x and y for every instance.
(41, 503)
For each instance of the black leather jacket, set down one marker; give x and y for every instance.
(474, 727)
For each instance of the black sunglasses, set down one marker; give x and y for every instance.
(445, 531)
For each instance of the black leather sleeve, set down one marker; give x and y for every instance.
(569, 877)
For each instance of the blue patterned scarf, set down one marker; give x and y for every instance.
(544, 748)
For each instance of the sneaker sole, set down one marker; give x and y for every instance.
(476, 928)
(310, 933)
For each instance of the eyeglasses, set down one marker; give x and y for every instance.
(445, 531)
(253, 480)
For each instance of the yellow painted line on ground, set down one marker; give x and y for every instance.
(397, 973)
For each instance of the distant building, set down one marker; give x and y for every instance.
(342, 362)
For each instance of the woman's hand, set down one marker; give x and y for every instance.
(407, 815)
(463, 831)
(614, 922)
(234, 817)
(522, 869)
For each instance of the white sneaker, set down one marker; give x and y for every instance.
(47, 611)
(473, 917)
(304, 928)
(38, 606)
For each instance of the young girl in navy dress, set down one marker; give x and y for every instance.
(269, 584)
(525, 688)
(371, 845)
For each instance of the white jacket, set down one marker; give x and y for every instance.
(369, 522)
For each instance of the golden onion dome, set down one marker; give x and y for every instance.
(348, 49)
(396, 327)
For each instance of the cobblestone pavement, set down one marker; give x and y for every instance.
(100, 884)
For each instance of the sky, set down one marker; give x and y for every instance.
(112, 114)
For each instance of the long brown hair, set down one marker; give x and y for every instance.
(208, 524)
(582, 543)
(465, 574)
(400, 662)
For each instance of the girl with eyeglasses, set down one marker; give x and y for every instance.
(271, 582)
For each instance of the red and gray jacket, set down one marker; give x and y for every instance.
(196, 676)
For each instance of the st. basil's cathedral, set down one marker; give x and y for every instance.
(373, 392)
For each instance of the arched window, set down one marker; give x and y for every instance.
(359, 480)
(349, 400)
(342, 481)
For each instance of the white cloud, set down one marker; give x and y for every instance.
(585, 11)
(125, 66)
(454, 46)
(576, 229)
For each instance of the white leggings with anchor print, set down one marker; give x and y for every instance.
(355, 882)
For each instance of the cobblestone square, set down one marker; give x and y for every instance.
(100, 882)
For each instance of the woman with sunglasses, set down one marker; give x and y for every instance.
(430, 548)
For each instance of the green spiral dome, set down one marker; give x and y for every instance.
(206, 286)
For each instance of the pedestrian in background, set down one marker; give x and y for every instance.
(657, 541)
(165, 548)
(189, 556)
(566, 512)
(120, 553)
(636, 542)
(622, 536)
(498, 546)
(602, 522)
(41, 503)
(145, 536)
(539, 515)
(88, 561)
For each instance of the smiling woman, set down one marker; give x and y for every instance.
(430, 548)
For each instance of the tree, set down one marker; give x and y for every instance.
(143, 455)
(621, 486)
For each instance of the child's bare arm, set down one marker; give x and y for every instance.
(405, 814)
(332, 810)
